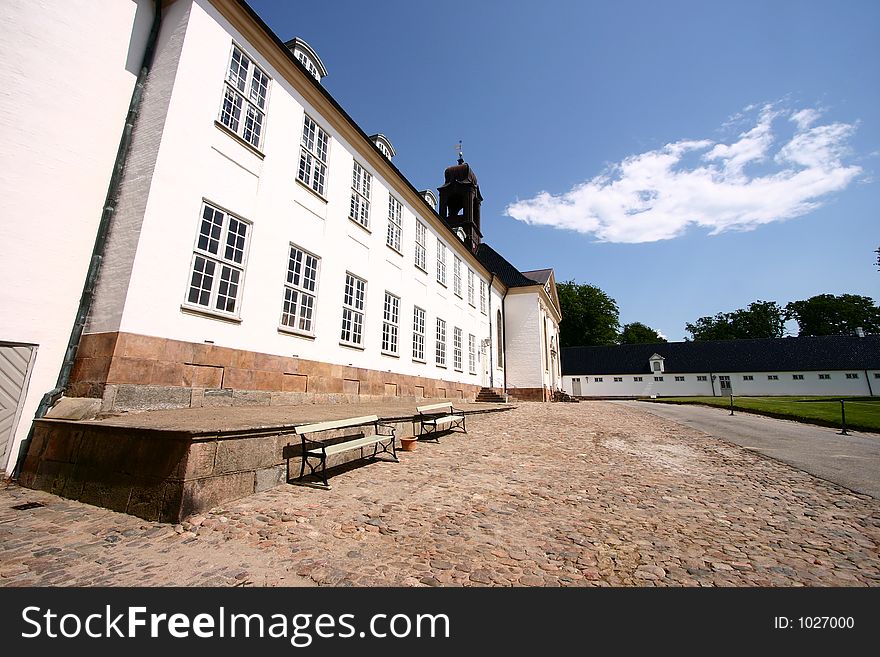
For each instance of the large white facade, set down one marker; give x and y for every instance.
(64, 102)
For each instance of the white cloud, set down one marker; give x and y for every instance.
(655, 195)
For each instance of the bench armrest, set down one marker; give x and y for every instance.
(384, 426)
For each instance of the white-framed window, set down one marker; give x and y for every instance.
(219, 260)
(418, 334)
(748, 377)
(597, 379)
(679, 378)
(876, 375)
(471, 287)
(440, 343)
(244, 98)
(852, 375)
(773, 377)
(313, 155)
(797, 377)
(637, 379)
(395, 217)
(499, 332)
(390, 324)
(361, 184)
(702, 377)
(483, 297)
(354, 298)
(828, 376)
(456, 276)
(456, 348)
(300, 291)
(441, 262)
(472, 353)
(421, 249)
(658, 378)
(309, 64)
(618, 379)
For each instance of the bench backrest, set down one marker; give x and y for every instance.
(433, 407)
(336, 424)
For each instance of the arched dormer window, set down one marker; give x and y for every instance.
(429, 196)
(383, 144)
(307, 57)
(500, 332)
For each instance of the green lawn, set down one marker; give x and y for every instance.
(862, 413)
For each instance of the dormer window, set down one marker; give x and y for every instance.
(307, 57)
(656, 363)
(460, 234)
(428, 195)
(384, 145)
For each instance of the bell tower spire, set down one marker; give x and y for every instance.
(460, 200)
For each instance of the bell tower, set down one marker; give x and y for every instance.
(460, 200)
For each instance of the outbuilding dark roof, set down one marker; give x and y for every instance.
(506, 272)
(832, 352)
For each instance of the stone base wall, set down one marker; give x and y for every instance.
(164, 476)
(137, 372)
(530, 394)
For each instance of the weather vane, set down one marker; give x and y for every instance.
(460, 153)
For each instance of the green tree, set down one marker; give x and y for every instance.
(762, 319)
(638, 333)
(826, 314)
(590, 316)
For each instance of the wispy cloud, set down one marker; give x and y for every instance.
(757, 178)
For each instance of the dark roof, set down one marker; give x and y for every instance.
(832, 352)
(540, 276)
(506, 272)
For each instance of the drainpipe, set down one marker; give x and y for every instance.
(868, 379)
(107, 215)
(504, 336)
(712, 380)
(491, 336)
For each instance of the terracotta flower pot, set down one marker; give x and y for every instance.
(408, 444)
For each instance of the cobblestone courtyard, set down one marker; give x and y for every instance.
(589, 494)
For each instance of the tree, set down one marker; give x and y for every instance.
(826, 314)
(638, 333)
(762, 319)
(590, 317)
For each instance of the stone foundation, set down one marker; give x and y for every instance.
(530, 394)
(137, 372)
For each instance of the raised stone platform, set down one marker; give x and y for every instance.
(166, 465)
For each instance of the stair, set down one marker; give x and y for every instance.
(489, 396)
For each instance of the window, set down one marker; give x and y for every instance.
(748, 377)
(395, 211)
(353, 299)
(309, 64)
(483, 297)
(456, 348)
(637, 378)
(597, 379)
(852, 375)
(440, 347)
(876, 375)
(313, 155)
(679, 378)
(361, 182)
(797, 377)
(618, 379)
(702, 377)
(244, 98)
(418, 334)
(655, 366)
(441, 262)
(828, 376)
(500, 331)
(218, 261)
(658, 378)
(390, 324)
(421, 251)
(472, 353)
(471, 287)
(772, 377)
(456, 276)
(299, 291)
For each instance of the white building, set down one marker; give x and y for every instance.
(829, 365)
(264, 248)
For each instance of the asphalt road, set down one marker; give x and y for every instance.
(852, 461)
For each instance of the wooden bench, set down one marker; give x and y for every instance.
(435, 418)
(316, 449)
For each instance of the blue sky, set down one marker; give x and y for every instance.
(686, 157)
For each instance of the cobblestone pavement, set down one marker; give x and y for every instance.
(589, 494)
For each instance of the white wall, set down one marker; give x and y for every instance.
(196, 161)
(525, 366)
(811, 384)
(65, 97)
